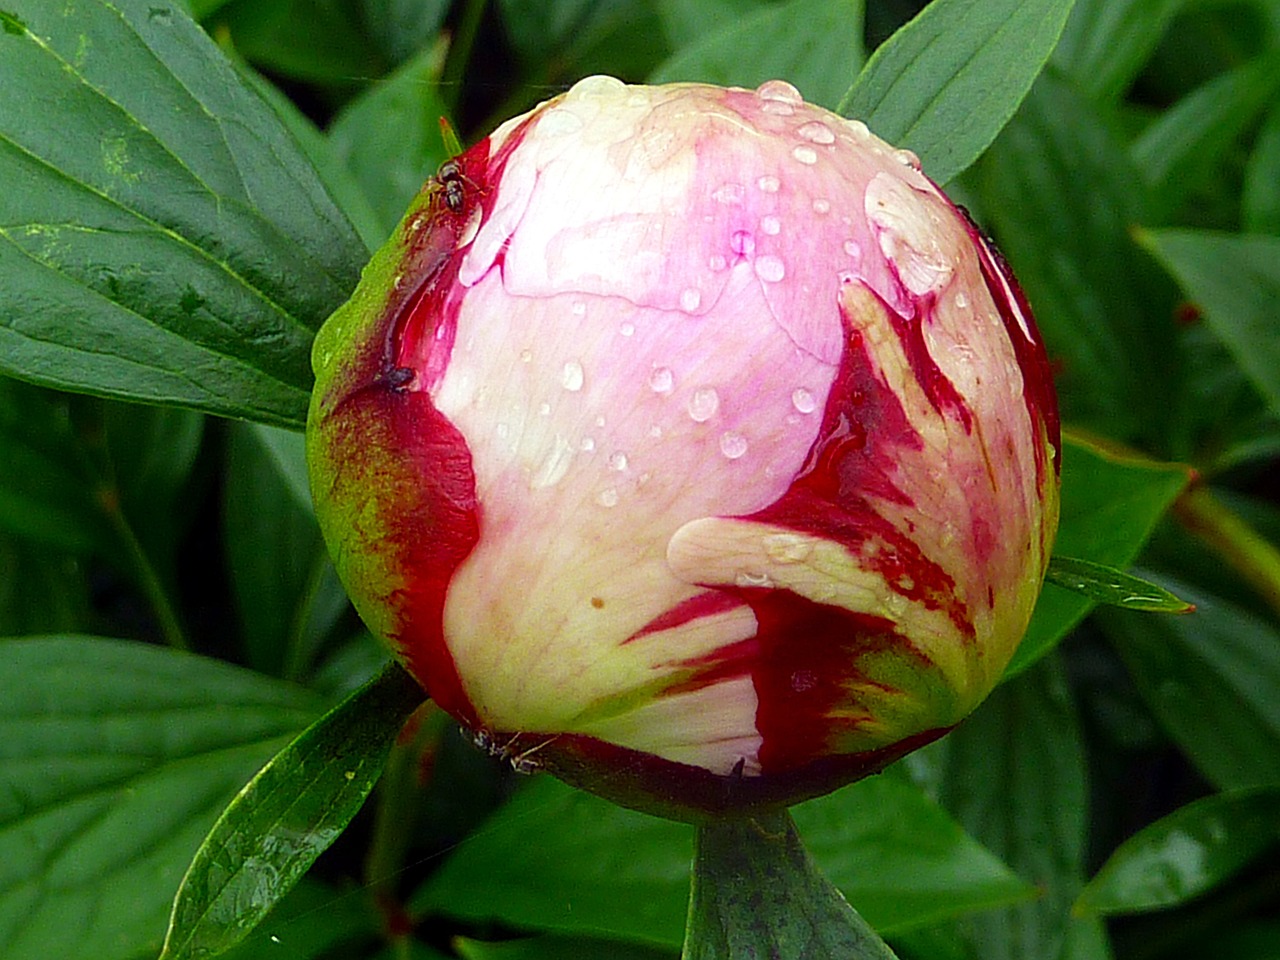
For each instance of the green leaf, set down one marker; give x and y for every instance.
(288, 815)
(1235, 279)
(321, 41)
(756, 893)
(162, 238)
(312, 921)
(1106, 42)
(42, 589)
(1063, 198)
(603, 870)
(1104, 584)
(1014, 776)
(1181, 149)
(947, 82)
(400, 28)
(1111, 502)
(389, 137)
(687, 21)
(115, 758)
(1185, 854)
(1211, 680)
(1261, 195)
(815, 44)
(557, 948)
(274, 553)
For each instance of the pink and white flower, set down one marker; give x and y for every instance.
(690, 443)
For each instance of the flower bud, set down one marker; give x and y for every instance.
(689, 443)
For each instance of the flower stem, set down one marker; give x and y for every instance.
(757, 893)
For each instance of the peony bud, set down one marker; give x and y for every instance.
(689, 443)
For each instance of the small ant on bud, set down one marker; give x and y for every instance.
(451, 180)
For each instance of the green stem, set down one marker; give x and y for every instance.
(147, 577)
(455, 65)
(1232, 538)
(757, 893)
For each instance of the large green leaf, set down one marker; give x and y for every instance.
(815, 44)
(114, 760)
(1062, 199)
(558, 948)
(161, 236)
(1185, 146)
(1185, 854)
(1110, 504)
(600, 869)
(1261, 195)
(322, 41)
(289, 814)
(1106, 42)
(1235, 279)
(757, 893)
(1014, 776)
(1211, 680)
(946, 83)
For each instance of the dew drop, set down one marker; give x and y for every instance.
(730, 194)
(690, 299)
(770, 268)
(779, 91)
(662, 380)
(600, 421)
(768, 184)
(587, 445)
(571, 377)
(803, 400)
(703, 404)
(821, 206)
(907, 159)
(815, 131)
(852, 249)
(618, 461)
(742, 243)
(788, 547)
(806, 155)
(597, 86)
(579, 308)
(608, 497)
(717, 262)
(962, 302)
(748, 578)
(627, 328)
(544, 409)
(559, 122)
(859, 130)
(770, 225)
(526, 356)
(656, 431)
(502, 431)
(733, 445)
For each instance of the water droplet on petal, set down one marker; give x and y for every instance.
(703, 404)
(788, 547)
(558, 122)
(962, 302)
(733, 445)
(749, 578)
(579, 308)
(770, 225)
(526, 356)
(821, 206)
(597, 86)
(770, 268)
(717, 262)
(502, 431)
(806, 155)
(729, 194)
(662, 380)
(544, 409)
(907, 159)
(742, 243)
(859, 130)
(803, 400)
(627, 328)
(618, 461)
(815, 131)
(769, 184)
(588, 444)
(608, 497)
(690, 299)
(780, 91)
(571, 377)
(852, 249)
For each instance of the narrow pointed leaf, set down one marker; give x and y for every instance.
(946, 83)
(757, 893)
(1235, 280)
(1105, 584)
(287, 816)
(1106, 42)
(162, 236)
(1186, 854)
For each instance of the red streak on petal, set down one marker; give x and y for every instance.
(937, 387)
(703, 605)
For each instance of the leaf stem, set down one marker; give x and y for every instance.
(1228, 534)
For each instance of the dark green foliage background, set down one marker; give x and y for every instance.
(182, 203)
